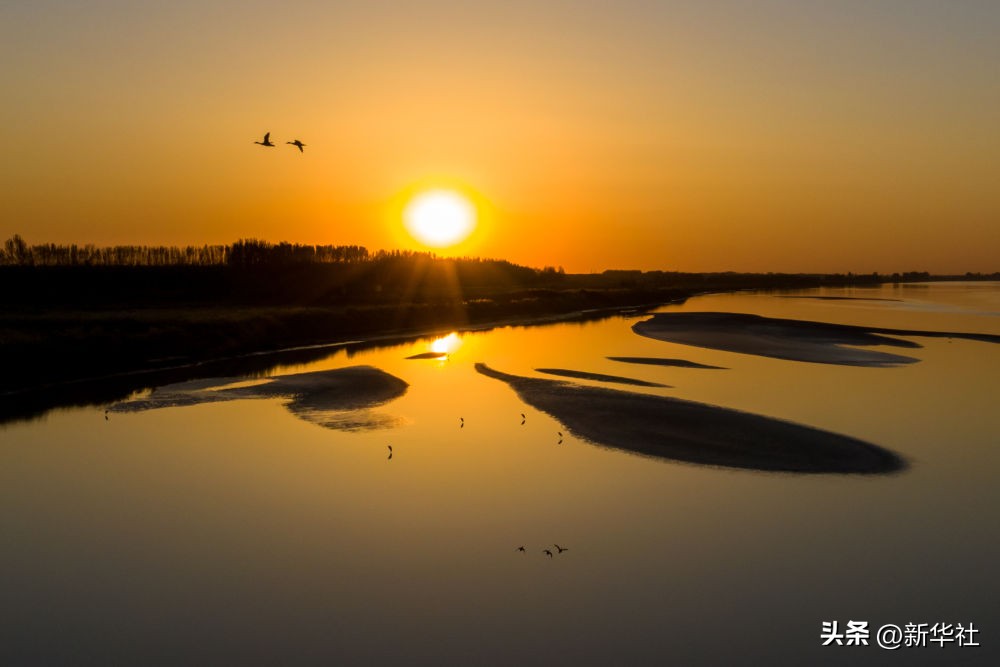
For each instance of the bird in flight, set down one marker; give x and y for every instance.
(390, 452)
(523, 418)
(521, 549)
(561, 549)
(267, 140)
(547, 552)
(298, 144)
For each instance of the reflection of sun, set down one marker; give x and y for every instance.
(439, 218)
(446, 344)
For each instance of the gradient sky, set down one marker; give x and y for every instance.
(760, 136)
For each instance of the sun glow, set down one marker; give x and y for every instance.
(439, 218)
(446, 344)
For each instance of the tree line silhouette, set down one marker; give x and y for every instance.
(245, 252)
(248, 271)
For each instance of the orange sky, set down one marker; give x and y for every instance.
(759, 136)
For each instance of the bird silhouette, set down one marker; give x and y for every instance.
(523, 418)
(461, 422)
(298, 144)
(390, 453)
(267, 140)
(561, 549)
(547, 552)
(521, 549)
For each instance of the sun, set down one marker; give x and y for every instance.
(439, 218)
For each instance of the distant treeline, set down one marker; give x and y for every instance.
(249, 252)
(248, 272)
(245, 253)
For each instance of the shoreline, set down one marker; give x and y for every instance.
(35, 400)
(381, 340)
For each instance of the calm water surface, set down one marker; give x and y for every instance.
(237, 533)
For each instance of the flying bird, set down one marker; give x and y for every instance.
(390, 453)
(298, 144)
(521, 549)
(522, 419)
(561, 549)
(547, 552)
(267, 140)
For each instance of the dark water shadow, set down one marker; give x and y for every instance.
(835, 298)
(339, 399)
(690, 432)
(796, 340)
(429, 355)
(658, 361)
(599, 377)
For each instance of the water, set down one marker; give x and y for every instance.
(238, 533)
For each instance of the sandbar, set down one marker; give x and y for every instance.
(599, 377)
(658, 361)
(835, 298)
(339, 398)
(691, 432)
(796, 340)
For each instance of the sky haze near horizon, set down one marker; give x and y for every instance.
(749, 136)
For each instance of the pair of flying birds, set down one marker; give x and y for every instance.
(267, 142)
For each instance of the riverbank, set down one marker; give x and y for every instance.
(42, 347)
(56, 354)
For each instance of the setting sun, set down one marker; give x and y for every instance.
(439, 218)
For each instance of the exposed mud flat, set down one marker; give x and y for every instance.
(658, 361)
(340, 398)
(599, 377)
(680, 430)
(796, 340)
